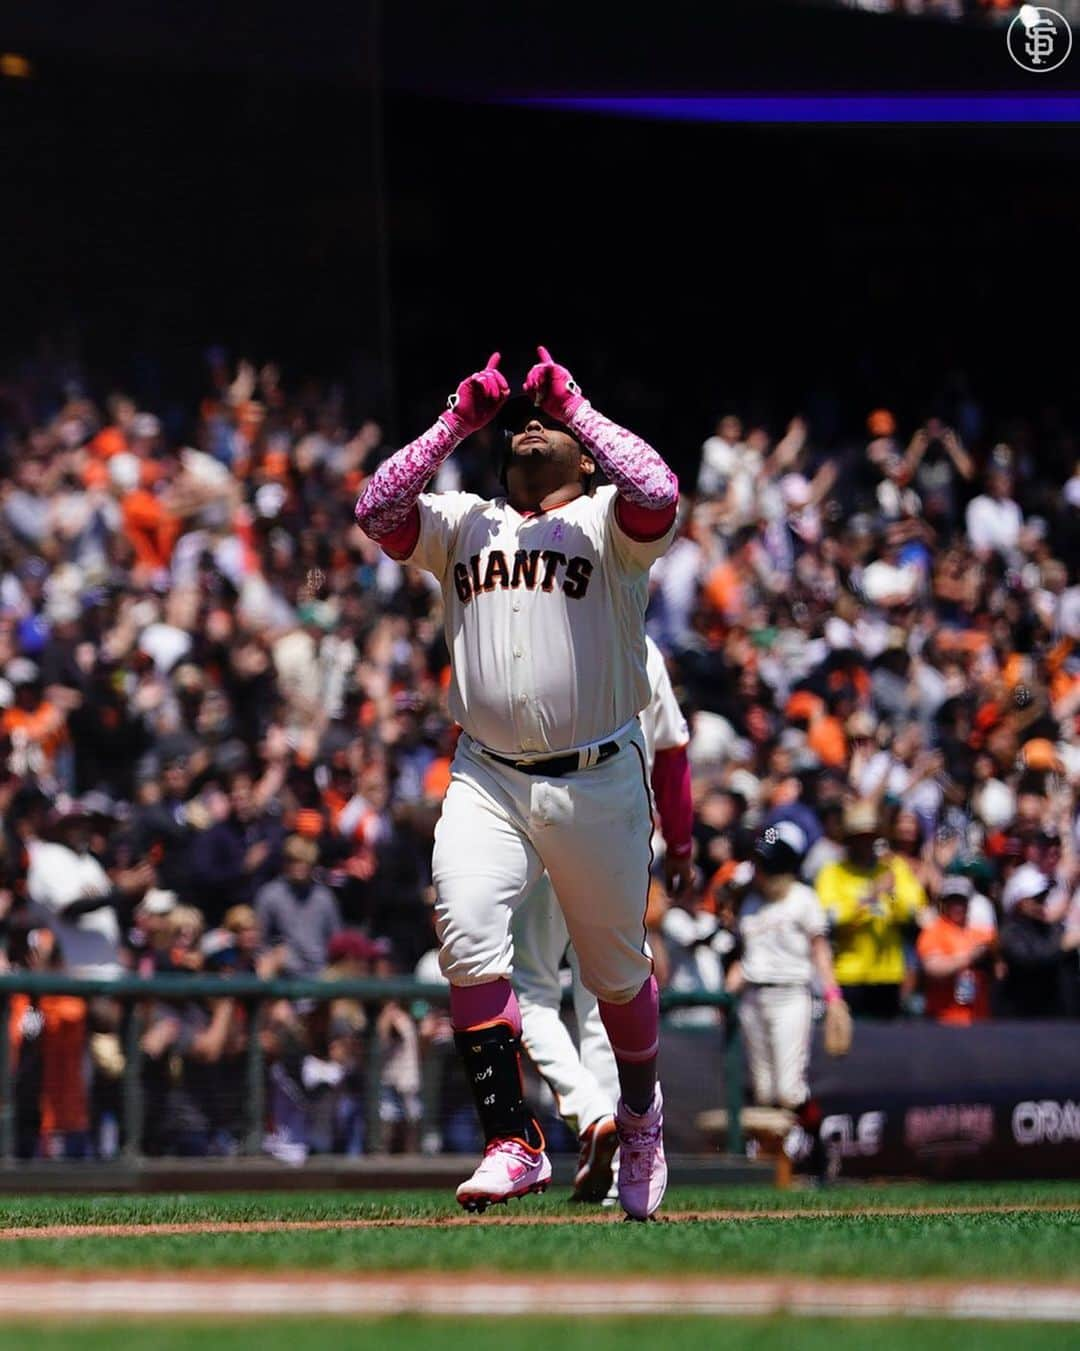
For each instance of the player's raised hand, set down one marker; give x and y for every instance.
(553, 388)
(477, 399)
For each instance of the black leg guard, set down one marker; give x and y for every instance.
(490, 1055)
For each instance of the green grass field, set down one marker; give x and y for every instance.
(851, 1232)
(410, 1334)
(824, 1240)
(541, 1334)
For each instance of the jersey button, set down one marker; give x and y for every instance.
(517, 651)
(517, 605)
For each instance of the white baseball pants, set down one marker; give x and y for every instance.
(585, 1081)
(590, 829)
(776, 1024)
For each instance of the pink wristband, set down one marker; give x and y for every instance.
(833, 994)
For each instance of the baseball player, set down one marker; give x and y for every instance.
(545, 593)
(782, 928)
(584, 1079)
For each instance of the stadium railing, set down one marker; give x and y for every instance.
(254, 993)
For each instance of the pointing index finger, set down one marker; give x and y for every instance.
(493, 361)
(543, 354)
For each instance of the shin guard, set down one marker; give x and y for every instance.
(490, 1056)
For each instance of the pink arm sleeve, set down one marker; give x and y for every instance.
(637, 471)
(386, 506)
(671, 788)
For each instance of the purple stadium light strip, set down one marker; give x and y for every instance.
(811, 108)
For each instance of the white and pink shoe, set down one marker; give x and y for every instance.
(509, 1168)
(642, 1166)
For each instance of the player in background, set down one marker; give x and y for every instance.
(785, 949)
(584, 1078)
(544, 596)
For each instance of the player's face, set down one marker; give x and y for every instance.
(774, 886)
(540, 439)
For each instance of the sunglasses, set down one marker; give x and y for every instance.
(518, 424)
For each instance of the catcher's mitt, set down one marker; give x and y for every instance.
(838, 1027)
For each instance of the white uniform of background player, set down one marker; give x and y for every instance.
(782, 927)
(586, 1084)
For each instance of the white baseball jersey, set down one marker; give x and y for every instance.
(777, 936)
(544, 618)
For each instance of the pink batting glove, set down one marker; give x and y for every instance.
(553, 388)
(477, 399)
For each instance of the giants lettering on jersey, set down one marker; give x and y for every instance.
(534, 569)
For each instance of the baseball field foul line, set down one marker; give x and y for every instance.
(40, 1294)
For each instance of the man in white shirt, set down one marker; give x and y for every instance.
(66, 881)
(720, 457)
(993, 520)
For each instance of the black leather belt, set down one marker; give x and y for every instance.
(557, 765)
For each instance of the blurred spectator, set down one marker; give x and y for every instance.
(151, 937)
(69, 884)
(296, 913)
(33, 726)
(241, 923)
(400, 1108)
(162, 827)
(1035, 946)
(869, 898)
(994, 518)
(938, 464)
(317, 1088)
(48, 1047)
(385, 877)
(450, 1123)
(721, 458)
(830, 847)
(193, 1077)
(237, 855)
(957, 959)
(697, 949)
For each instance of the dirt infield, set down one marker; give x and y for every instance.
(501, 1217)
(152, 1295)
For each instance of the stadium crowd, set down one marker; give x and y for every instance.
(224, 741)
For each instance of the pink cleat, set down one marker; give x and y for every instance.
(642, 1166)
(509, 1168)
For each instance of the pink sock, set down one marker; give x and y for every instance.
(634, 1028)
(478, 1005)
